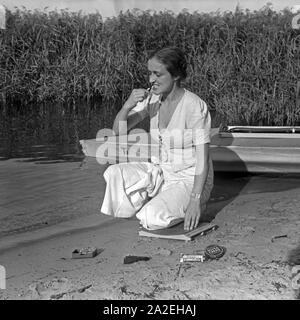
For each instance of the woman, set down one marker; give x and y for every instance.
(177, 185)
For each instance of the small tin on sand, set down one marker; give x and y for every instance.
(89, 252)
(192, 257)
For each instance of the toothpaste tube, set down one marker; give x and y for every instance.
(192, 257)
(143, 104)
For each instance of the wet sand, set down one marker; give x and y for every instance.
(50, 208)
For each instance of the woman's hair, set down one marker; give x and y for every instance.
(174, 60)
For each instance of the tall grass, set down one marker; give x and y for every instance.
(244, 64)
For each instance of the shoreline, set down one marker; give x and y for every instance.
(73, 226)
(36, 194)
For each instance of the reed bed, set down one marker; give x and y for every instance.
(244, 64)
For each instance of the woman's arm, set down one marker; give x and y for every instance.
(193, 212)
(123, 122)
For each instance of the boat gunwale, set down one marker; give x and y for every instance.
(258, 131)
(258, 135)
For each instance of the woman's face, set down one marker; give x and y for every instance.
(160, 78)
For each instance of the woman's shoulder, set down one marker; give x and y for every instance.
(194, 101)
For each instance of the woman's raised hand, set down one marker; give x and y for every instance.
(137, 95)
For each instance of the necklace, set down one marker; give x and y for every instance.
(159, 135)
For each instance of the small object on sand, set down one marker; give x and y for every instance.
(211, 252)
(278, 237)
(214, 251)
(132, 259)
(192, 257)
(88, 252)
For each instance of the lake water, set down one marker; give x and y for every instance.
(49, 133)
(42, 179)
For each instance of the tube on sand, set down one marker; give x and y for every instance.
(192, 257)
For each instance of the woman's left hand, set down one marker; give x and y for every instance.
(192, 214)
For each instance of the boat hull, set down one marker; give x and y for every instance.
(256, 151)
(230, 152)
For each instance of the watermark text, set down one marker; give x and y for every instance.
(2, 278)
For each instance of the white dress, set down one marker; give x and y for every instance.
(158, 192)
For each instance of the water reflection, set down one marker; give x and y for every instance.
(49, 133)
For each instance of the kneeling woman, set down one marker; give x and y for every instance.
(177, 184)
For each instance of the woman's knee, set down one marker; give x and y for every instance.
(112, 171)
(157, 215)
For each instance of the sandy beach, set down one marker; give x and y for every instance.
(49, 208)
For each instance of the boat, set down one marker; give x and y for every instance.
(256, 149)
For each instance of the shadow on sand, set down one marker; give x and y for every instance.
(232, 178)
